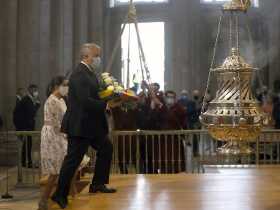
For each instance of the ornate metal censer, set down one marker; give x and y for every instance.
(234, 115)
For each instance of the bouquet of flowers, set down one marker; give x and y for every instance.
(114, 92)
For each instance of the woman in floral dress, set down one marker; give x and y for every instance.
(53, 142)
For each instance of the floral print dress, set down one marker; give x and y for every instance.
(53, 142)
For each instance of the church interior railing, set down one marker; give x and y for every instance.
(156, 152)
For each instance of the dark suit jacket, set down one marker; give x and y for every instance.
(25, 113)
(85, 116)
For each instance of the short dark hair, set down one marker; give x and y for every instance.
(156, 84)
(170, 92)
(31, 87)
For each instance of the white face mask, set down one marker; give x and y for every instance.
(63, 90)
(96, 62)
(170, 101)
(35, 94)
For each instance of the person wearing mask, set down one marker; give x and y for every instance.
(190, 108)
(19, 95)
(53, 142)
(175, 114)
(195, 124)
(193, 113)
(24, 120)
(183, 100)
(174, 118)
(86, 125)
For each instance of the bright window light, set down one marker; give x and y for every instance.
(255, 2)
(114, 3)
(152, 37)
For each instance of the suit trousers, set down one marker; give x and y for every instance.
(77, 147)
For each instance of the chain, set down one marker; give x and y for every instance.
(237, 32)
(216, 41)
(230, 32)
(238, 73)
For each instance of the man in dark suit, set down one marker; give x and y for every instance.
(16, 112)
(86, 125)
(24, 120)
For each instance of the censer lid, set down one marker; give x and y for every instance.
(234, 62)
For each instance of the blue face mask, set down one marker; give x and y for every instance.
(184, 97)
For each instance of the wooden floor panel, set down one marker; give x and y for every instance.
(238, 189)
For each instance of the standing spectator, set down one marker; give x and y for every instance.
(172, 150)
(174, 114)
(183, 99)
(190, 107)
(16, 114)
(194, 121)
(24, 119)
(19, 95)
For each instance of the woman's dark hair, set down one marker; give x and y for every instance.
(57, 81)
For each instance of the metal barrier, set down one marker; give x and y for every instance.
(157, 152)
(24, 150)
(185, 151)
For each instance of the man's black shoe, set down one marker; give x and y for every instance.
(101, 188)
(62, 202)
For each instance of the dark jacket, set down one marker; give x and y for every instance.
(25, 113)
(85, 115)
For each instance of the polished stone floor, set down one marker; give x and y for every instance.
(223, 189)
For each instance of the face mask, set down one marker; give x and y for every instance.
(35, 94)
(196, 97)
(63, 90)
(96, 62)
(170, 101)
(184, 97)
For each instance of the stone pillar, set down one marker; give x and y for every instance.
(8, 59)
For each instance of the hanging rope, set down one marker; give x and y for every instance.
(142, 53)
(216, 41)
(132, 18)
(212, 63)
(115, 49)
(141, 64)
(128, 59)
